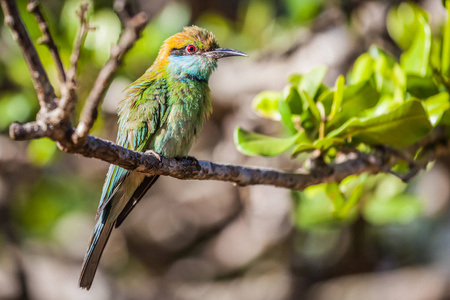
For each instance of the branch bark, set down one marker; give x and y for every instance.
(47, 39)
(190, 168)
(42, 85)
(69, 96)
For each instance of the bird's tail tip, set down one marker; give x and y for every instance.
(97, 244)
(84, 286)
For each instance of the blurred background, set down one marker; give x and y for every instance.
(212, 240)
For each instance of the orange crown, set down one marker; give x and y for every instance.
(201, 38)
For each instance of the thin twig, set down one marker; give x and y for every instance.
(44, 89)
(47, 39)
(122, 13)
(69, 98)
(128, 37)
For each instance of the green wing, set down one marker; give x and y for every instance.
(140, 116)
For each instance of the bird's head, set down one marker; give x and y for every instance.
(192, 54)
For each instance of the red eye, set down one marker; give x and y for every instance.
(190, 48)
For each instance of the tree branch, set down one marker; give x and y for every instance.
(122, 13)
(190, 168)
(47, 39)
(44, 89)
(27, 131)
(69, 96)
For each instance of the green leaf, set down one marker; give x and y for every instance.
(445, 119)
(416, 59)
(402, 24)
(286, 116)
(326, 98)
(311, 105)
(446, 44)
(266, 104)
(400, 127)
(436, 106)
(303, 143)
(399, 77)
(435, 56)
(356, 99)
(302, 137)
(312, 80)
(326, 143)
(302, 147)
(362, 69)
(322, 144)
(307, 121)
(379, 54)
(384, 106)
(338, 96)
(294, 101)
(421, 87)
(295, 79)
(251, 143)
(322, 89)
(383, 70)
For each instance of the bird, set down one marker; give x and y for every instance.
(163, 111)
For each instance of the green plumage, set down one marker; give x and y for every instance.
(164, 115)
(164, 111)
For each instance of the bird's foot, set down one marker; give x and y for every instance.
(190, 160)
(154, 154)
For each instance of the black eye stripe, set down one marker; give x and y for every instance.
(178, 52)
(183, 50)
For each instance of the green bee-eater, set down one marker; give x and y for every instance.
(164, 110)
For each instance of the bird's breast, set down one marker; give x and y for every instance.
(189, 107)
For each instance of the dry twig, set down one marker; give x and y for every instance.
(69, 96)
(47, 39)
(42, 85)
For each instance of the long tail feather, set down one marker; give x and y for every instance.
(136, 197)
(100, 236)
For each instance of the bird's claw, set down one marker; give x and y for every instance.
(154, 154)
(189, 160)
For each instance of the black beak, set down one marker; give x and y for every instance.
(223, 52)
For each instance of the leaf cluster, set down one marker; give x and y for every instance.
(382, 101)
